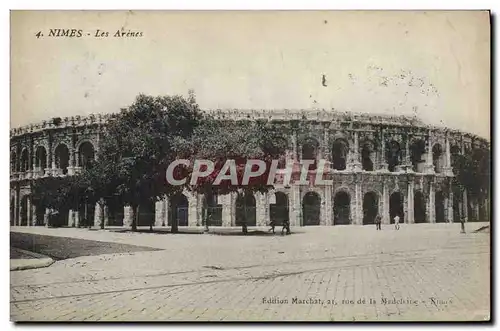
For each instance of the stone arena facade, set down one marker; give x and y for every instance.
(383, 165)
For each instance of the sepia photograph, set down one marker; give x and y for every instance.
(250, 166)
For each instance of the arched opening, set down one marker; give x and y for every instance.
(178, 211)
(419, 207)
(24, 161)
(279, 210)
(417, 153)
(310, 150)
(439, 207)
(311, 207)
(367, 156)
(396, 207)
(86, 155)
(40, 159)
(393, 155)
(340, 150)
(437, 158)
(211, 210)
(115, 211)
(146, 213)
(86, 213)
(245, 210)
(12, 211)
(342, 208)
(62, 158)
(454, 154)
(40, 215)
(13, 162)
(370, 208)
(23, 211)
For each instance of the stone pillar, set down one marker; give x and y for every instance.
(71, 168)
(226, 202)
(71, 218)
(429, 167)
(450, 206)
(295, 210)
(356, 164)
(28, 211)
(192, 210)
(33, 213)
(356, 211)
(106, 215)
(16, 209)
(410, 202)
(385, 204)
(76, 215)
(328, 220)
(160, 212)
(98, 215)
(448, 170)
(262, 209)
(383, 166)
(431, 204)
(127, 216)
(408, 164)
(46, 220)
(326, 145)
(465, 209)
(294, 146)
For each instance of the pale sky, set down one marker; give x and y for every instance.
(436, 64)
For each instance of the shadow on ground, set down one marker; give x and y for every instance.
(226, 232)
(61, 248)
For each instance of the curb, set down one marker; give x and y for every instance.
(39, 261)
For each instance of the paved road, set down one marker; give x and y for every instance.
(422, 272)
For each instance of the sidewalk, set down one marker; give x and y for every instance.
(23, 260)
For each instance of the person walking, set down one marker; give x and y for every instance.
(378, 222)
(286, 227)
(396, 222)
(462, 225)
(272, 225)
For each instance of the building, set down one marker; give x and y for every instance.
(382, 164)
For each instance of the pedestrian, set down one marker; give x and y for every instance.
(462, 225)
(286, 227)
(396, 222)
(378, 222)
(272, 225)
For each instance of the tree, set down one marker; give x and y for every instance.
(222, 140)
(138, 145)
(472, 173)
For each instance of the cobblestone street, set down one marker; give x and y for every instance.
(342, 273)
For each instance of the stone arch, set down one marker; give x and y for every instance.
(211, 210)
(419, 207)
(368, 155)
(396, 206)
(24, 160)
(393, 155)
(342, 207)
(279, 210)
(417, 153)
(311, 209)
(41, 158)
(438, 158)
(246, 209)
(178, 210)
(146, 213)
(440, 207)
(61, 154)
(370, 207)
(86, 154)
(310, 151)
(340, 151)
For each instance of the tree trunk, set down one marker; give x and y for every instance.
(102, 204)
(175, 223)
(244, 227)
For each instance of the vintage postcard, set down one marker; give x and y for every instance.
(250, 166)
